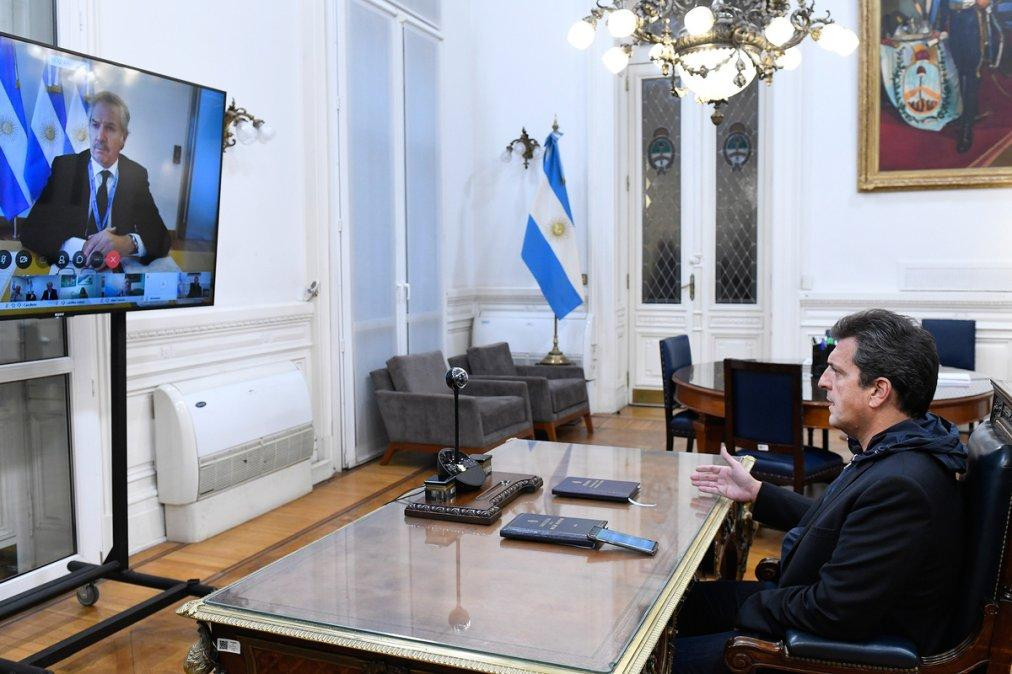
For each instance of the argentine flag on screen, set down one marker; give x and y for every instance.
(23, 168)
(550, 249)
(77, 110)
(50, 117)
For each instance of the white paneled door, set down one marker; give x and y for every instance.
(696, 263)
(391, 206)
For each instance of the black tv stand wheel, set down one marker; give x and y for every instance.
(88, 595)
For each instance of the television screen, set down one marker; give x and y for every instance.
(109, 185)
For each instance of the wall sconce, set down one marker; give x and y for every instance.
(531, 148)
(247, 127)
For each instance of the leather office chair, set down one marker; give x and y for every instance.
(558, 393)
(762, 405)
(956, 341)
(417, 407)
(981, 617)
(676, 353)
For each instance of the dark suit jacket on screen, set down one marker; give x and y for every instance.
(61, 211)
(49, 294)
(879, 554)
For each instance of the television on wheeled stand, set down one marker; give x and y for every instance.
(110, 183)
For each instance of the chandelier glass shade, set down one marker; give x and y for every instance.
(712, 48)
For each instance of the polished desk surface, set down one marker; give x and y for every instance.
(460, 592)
(711, 376)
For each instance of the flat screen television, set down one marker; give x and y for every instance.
(110, 181)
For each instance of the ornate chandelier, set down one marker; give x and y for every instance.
(712, 49)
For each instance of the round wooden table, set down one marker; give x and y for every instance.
(700, 387)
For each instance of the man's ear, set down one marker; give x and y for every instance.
(881, 389)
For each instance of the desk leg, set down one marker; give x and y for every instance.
(709, 433)
(202, 656)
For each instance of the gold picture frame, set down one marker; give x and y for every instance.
(870, 175)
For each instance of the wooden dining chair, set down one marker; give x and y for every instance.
(763, 407)
(676, 353)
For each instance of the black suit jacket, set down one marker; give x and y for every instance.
(878, 557)
(61, 211)
(49, 294)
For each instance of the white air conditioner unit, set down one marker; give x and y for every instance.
(231, 447)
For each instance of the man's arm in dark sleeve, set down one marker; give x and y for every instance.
(780, 508)
(49, 223)
(879, 542)
(148, 223)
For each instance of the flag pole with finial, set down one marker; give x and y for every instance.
(555, 356)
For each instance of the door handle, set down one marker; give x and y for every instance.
(691, 285)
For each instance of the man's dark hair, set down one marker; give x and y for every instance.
(897, 348)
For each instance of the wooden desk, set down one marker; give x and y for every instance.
(392, 593)
(701, 389)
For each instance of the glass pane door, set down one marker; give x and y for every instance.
(372, 210)
(421, 133)
(36, 490)
(660, 166)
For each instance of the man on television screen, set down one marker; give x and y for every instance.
(195, 289)
(98, 196)
(50, 292)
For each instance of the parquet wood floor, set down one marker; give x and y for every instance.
(160, 642)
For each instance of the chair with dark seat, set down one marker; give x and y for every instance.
(762, 406)
(676, 353)
(417, 407)
(980, 630)
(956, 341)
(558, 393)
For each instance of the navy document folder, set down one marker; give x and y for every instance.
(595, 488)
(552, 529)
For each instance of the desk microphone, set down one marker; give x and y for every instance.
(451, 463)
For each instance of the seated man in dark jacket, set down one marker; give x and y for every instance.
(878, 553)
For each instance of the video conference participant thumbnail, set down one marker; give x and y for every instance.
(33, 289)
(124, 285)
(99, 196)
(87, 285)
(194, 285)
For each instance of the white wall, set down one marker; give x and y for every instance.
(254, 54)
(906, 250)
(274, 201)
(927, 253)
(854, 242)
(508, 66)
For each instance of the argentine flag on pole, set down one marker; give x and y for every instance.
(550, 249)
(23, 167)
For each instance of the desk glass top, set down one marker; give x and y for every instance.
(711, 376)
(464, 587)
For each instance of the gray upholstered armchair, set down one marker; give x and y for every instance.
(417, 407)
(558, 393)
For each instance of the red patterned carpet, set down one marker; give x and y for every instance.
(905, 148)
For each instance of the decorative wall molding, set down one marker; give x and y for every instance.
(464, 304)
(165, 347)
(955, 275)
(991, 311)
(998, 304)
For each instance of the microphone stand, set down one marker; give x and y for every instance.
(456, 425)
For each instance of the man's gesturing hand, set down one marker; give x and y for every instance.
(732, 480)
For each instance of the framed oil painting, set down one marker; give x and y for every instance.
(936, 94)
